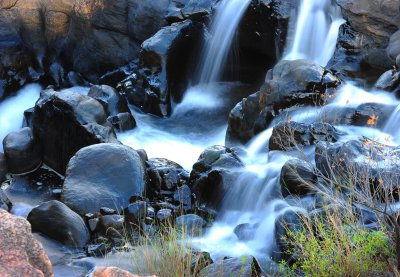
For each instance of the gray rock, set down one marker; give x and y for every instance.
(5, 203)
(164, 216)
(136, 212)
(183, 196)
(65, 122)
(297, 177)
(22, 151)
(59, 222)
(122, 122)
(3, 167)
(190, 224)
(103, 175)
(398, 61)
(242, 266)
(112, 101)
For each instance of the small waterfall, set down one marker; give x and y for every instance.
(223, 29)
(316, 31)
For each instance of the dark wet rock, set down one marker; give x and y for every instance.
(216, 169)
(5, 203)
(112, 226)
(22, 151)
(183, 197)
(288, 221)
(164, 216)
(190, 224)
(241, 266)
(98, 250)
(393, 48)
(59, 222)
(165, 62)
(288, 84)
(390, 81)
(103, 175)
(186, 9)
(107, 211)
(136, 212)
(3, 167)
(245, 231)
(20, 253)
(165, 174)
(93, 224)
(122, 122)
(361, 161)
(65, 122)
(28, 115)
(297, 177)
(287, 135)
(112, 101)
(398, 62)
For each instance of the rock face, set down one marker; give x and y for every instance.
(164, 67)
(20, 253)
(103, 175)
(59, 222)
(22, 151)
(288, 84)
(216, 167)
(65, 122)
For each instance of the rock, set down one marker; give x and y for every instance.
(107, 211)
(112, 101)
(93, 224)
(122, 122)
(390, 81)
(103, 175)
(65, 122)
(190, 224)
(136, 212)
(98, 250)
(183, 197)
(216, 168)
(242, 266)
(112, 226)
(291, 134)
(22, 151)
(297, 177)
(56, 220)
(5, 203)
(393, 48)
(3, 167)
(245, 231)
(164, 216)
(163, 72)
(100, 271)
(398, 61)
(165, 174)
(288, 84)
(20, 253)
(360, 161)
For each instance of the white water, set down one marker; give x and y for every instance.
(316, 31)
(223, 30)
(12, 110)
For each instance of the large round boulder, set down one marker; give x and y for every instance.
(22, 151)
(20, 253)
(103, 175)
(59, 222)
(67, 121)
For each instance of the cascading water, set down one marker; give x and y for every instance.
(228, 16)
(316, 31)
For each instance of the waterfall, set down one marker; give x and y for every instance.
(316, 31)
(223, 29)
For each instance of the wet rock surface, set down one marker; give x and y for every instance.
(103, 175)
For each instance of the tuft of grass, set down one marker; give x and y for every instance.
(333, 244)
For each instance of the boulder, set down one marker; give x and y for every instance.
(288, 84)
(3, 167)
(164, 68)
(57, 221)
(65, 122)
(112, 226)
(389, 81)
(398, 61)
(183, 197)
(297, 177)
(245, 231)
(112, 101)
(111, 271)
(136, 212)
(287, 135)
(190, 224)
(20, 253)
(217, 168)
(164, 216)
(103, 175)
(22, 151)
(122, 122)
(241, 266)
(393, 48)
